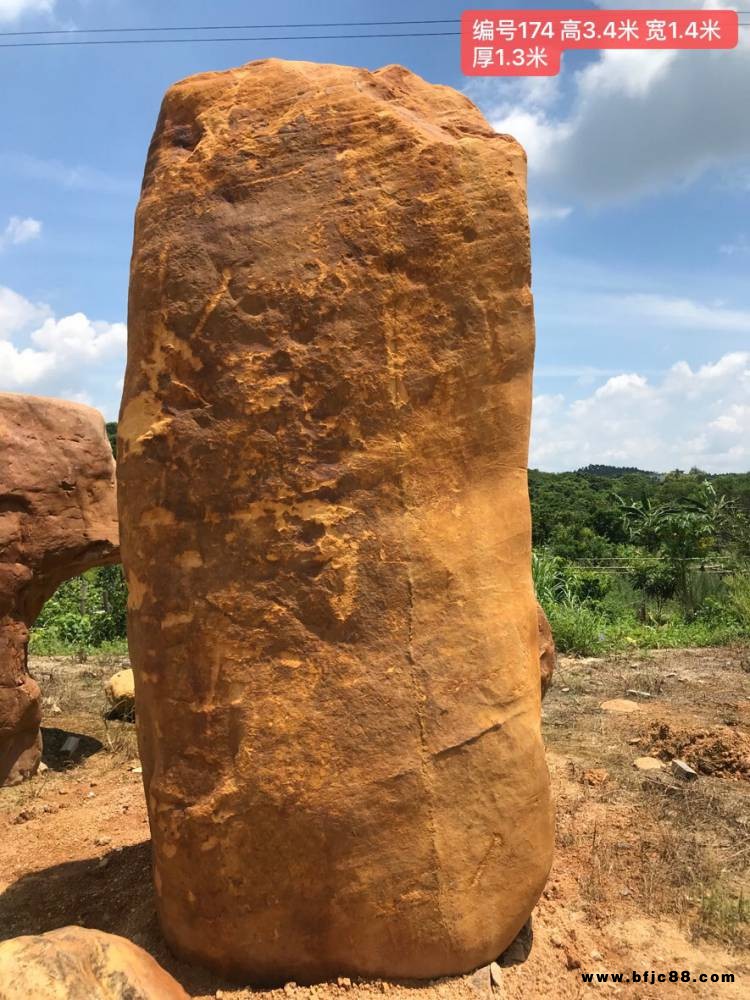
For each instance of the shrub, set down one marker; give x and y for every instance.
(577, 629)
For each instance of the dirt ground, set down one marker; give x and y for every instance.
(652, 872)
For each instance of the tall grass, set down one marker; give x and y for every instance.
(595, 612)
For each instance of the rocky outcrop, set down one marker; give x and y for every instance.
(58, 517)
(325, 526)
(75, 962)
(547, 650)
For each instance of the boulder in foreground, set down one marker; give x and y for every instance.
(75, 962)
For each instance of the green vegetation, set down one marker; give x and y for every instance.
(622, 558)
(112, 436)
(625, 558)
(85, 614)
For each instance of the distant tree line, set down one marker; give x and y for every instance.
(579, 515)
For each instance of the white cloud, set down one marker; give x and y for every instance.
(22, 368)
(688, 417)
(639, 122)
(76, 338)
(676, 313)
(72, 178)
(20, 230)
(541, 212)
(738, 246)
(537, 132)
(17, 313)
(68, 357)
(10, 10)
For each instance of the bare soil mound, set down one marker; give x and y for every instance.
(721, 751)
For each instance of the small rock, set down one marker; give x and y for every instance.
(681, 769)
(120, 692)
(70, 745)
(648, 764)
(565, 689)
(344, 982)
(595, 776)
(480, 981)
(219, 994)
(496, 976)
(137, 769)
(635, 693)
(42, 769)
(102, 841)
(620, 705)
(596, 955)
(571, 960)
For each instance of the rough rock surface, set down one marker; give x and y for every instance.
(75, 963)
(547, 650)
(120, 693)
(58, 517)
(325, 526)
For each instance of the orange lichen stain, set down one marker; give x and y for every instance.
(137, 590)
(235, 692)
(189, 559)
(138, 416)
(172, 618)
(213, 302)
(157, 516)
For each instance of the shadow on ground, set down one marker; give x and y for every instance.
(112, 893)
(62, 749)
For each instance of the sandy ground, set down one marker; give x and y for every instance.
(651, 872)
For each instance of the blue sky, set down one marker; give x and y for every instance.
(639, 189)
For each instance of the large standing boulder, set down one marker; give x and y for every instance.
(75, 963)
(325, 526)
(58, 517)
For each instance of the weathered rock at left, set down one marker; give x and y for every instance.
(58, 517)
(76, 962)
